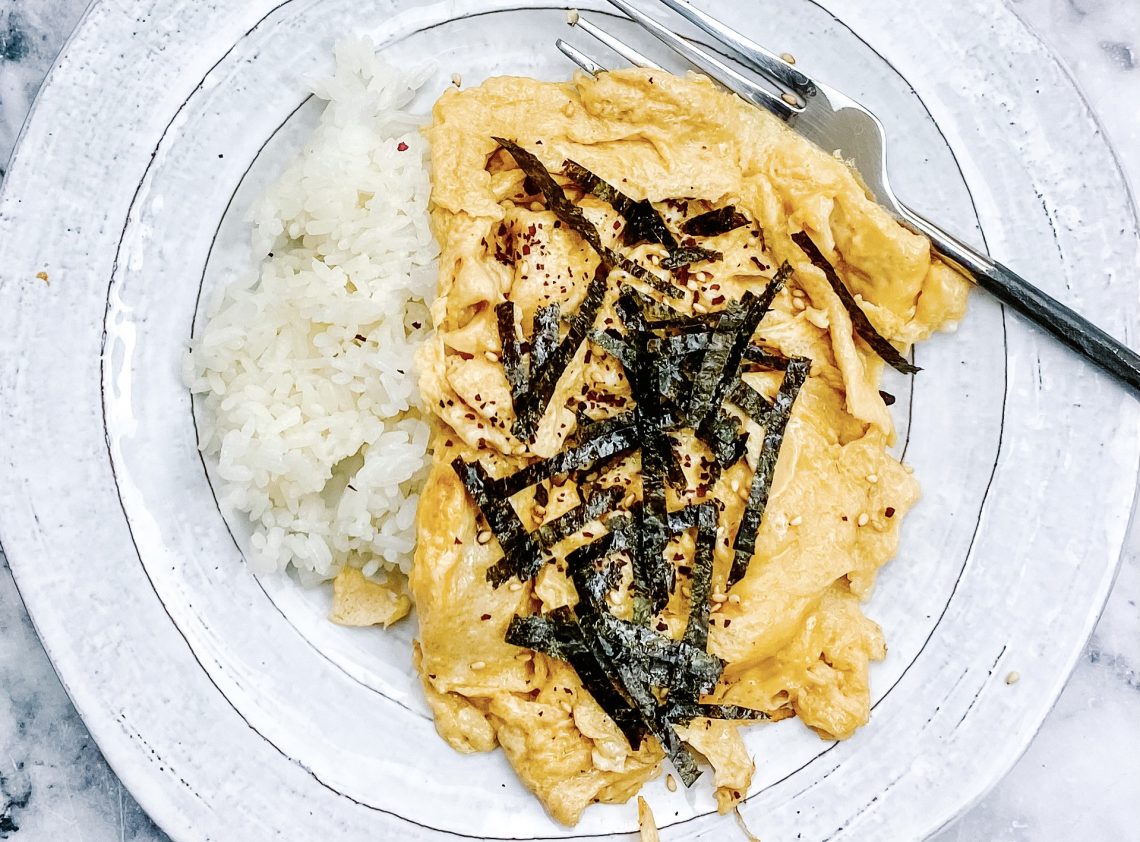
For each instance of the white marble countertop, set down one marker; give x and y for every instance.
(1080, 778)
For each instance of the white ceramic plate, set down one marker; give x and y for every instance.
(233, 710)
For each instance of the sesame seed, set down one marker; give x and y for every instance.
(572, 17)
(516, 586)
(790, 99)
(863, 519)
(719, 598)
(484, 537)
(788, 57)
(456, 79)
(1013, 677)
(670, 783)
(799, 304)
(492, 356)
(700, 308)
(872, 478)
(478, 665)
(734, 598)
(796, 521)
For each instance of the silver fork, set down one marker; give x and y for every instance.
(833, 120)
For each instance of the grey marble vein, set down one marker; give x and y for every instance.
(1080, 779)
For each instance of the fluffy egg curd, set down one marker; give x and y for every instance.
(661, 484)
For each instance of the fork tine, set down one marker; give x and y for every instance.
(713, 66)
(579, 58)
(748, 51)
(620, 47)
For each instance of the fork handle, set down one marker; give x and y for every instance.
(1047, 312)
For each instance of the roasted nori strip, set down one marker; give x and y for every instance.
(727, 345)
(512, 349)
(573, 218)
(859, 319)
(654, 576)
(688, 255)
(679, 344)
(532, 403)
(765, 358)
(611, 436)
(522, 555)
(598, 505)
(546, 323)
(643, 223)
(559, 636)
(887, 397)
(752, 402)
(697, 630)
(777, 421)
(715, 222)
(686, 713)
(721, 432)
(615, 345)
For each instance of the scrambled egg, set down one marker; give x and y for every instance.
(792, 632)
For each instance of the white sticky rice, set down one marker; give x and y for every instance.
(305, 368)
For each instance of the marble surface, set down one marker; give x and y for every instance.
(1079, 779)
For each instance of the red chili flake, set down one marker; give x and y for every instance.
(526, 249)
(889, 511)
(403, 147)
(485, 617)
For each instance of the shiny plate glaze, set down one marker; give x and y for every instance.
(228, 705)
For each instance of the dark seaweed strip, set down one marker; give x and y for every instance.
(653, 575)
(521, 554)
(716, 359)
(595, 573)
(614, 345)
(512, 350)
(643, 223)
(732, 335)
(721, 432)
(620, 664)
(683, 714)
(765, 358)
(675, 471)
(600, 503)
(654, 309)
(752, 402)
(573, 218)
(688, 255)
(777, 422)
(697, 630)
(678, 753)
(859, 320)
(532, 405)
(887, 397)
(664, 662)
(715, 222)
(546, 323)
(560, 636)
(679, 344)
(607, 438)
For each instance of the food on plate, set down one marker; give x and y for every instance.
(661, 482)
(305, 368)
(635, 437)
